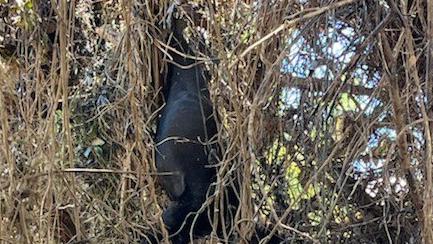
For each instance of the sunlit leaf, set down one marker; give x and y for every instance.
(245, 36)
(339, 128)
(293, 171)
(314, 217)
(347, 103)
(28, 5)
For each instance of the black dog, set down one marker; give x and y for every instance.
(183, 151)
(185, 147)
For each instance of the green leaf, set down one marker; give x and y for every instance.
(245, 36)
(347, 103)
(314, 217)
(58, 120)
(28, 5)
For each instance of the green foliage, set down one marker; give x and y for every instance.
(246, 36)
(315, 217)
(23, 15)
(58, 121)
(346, 102)
(278, 154)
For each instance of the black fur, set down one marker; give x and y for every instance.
(183, 136)
(185, 148)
